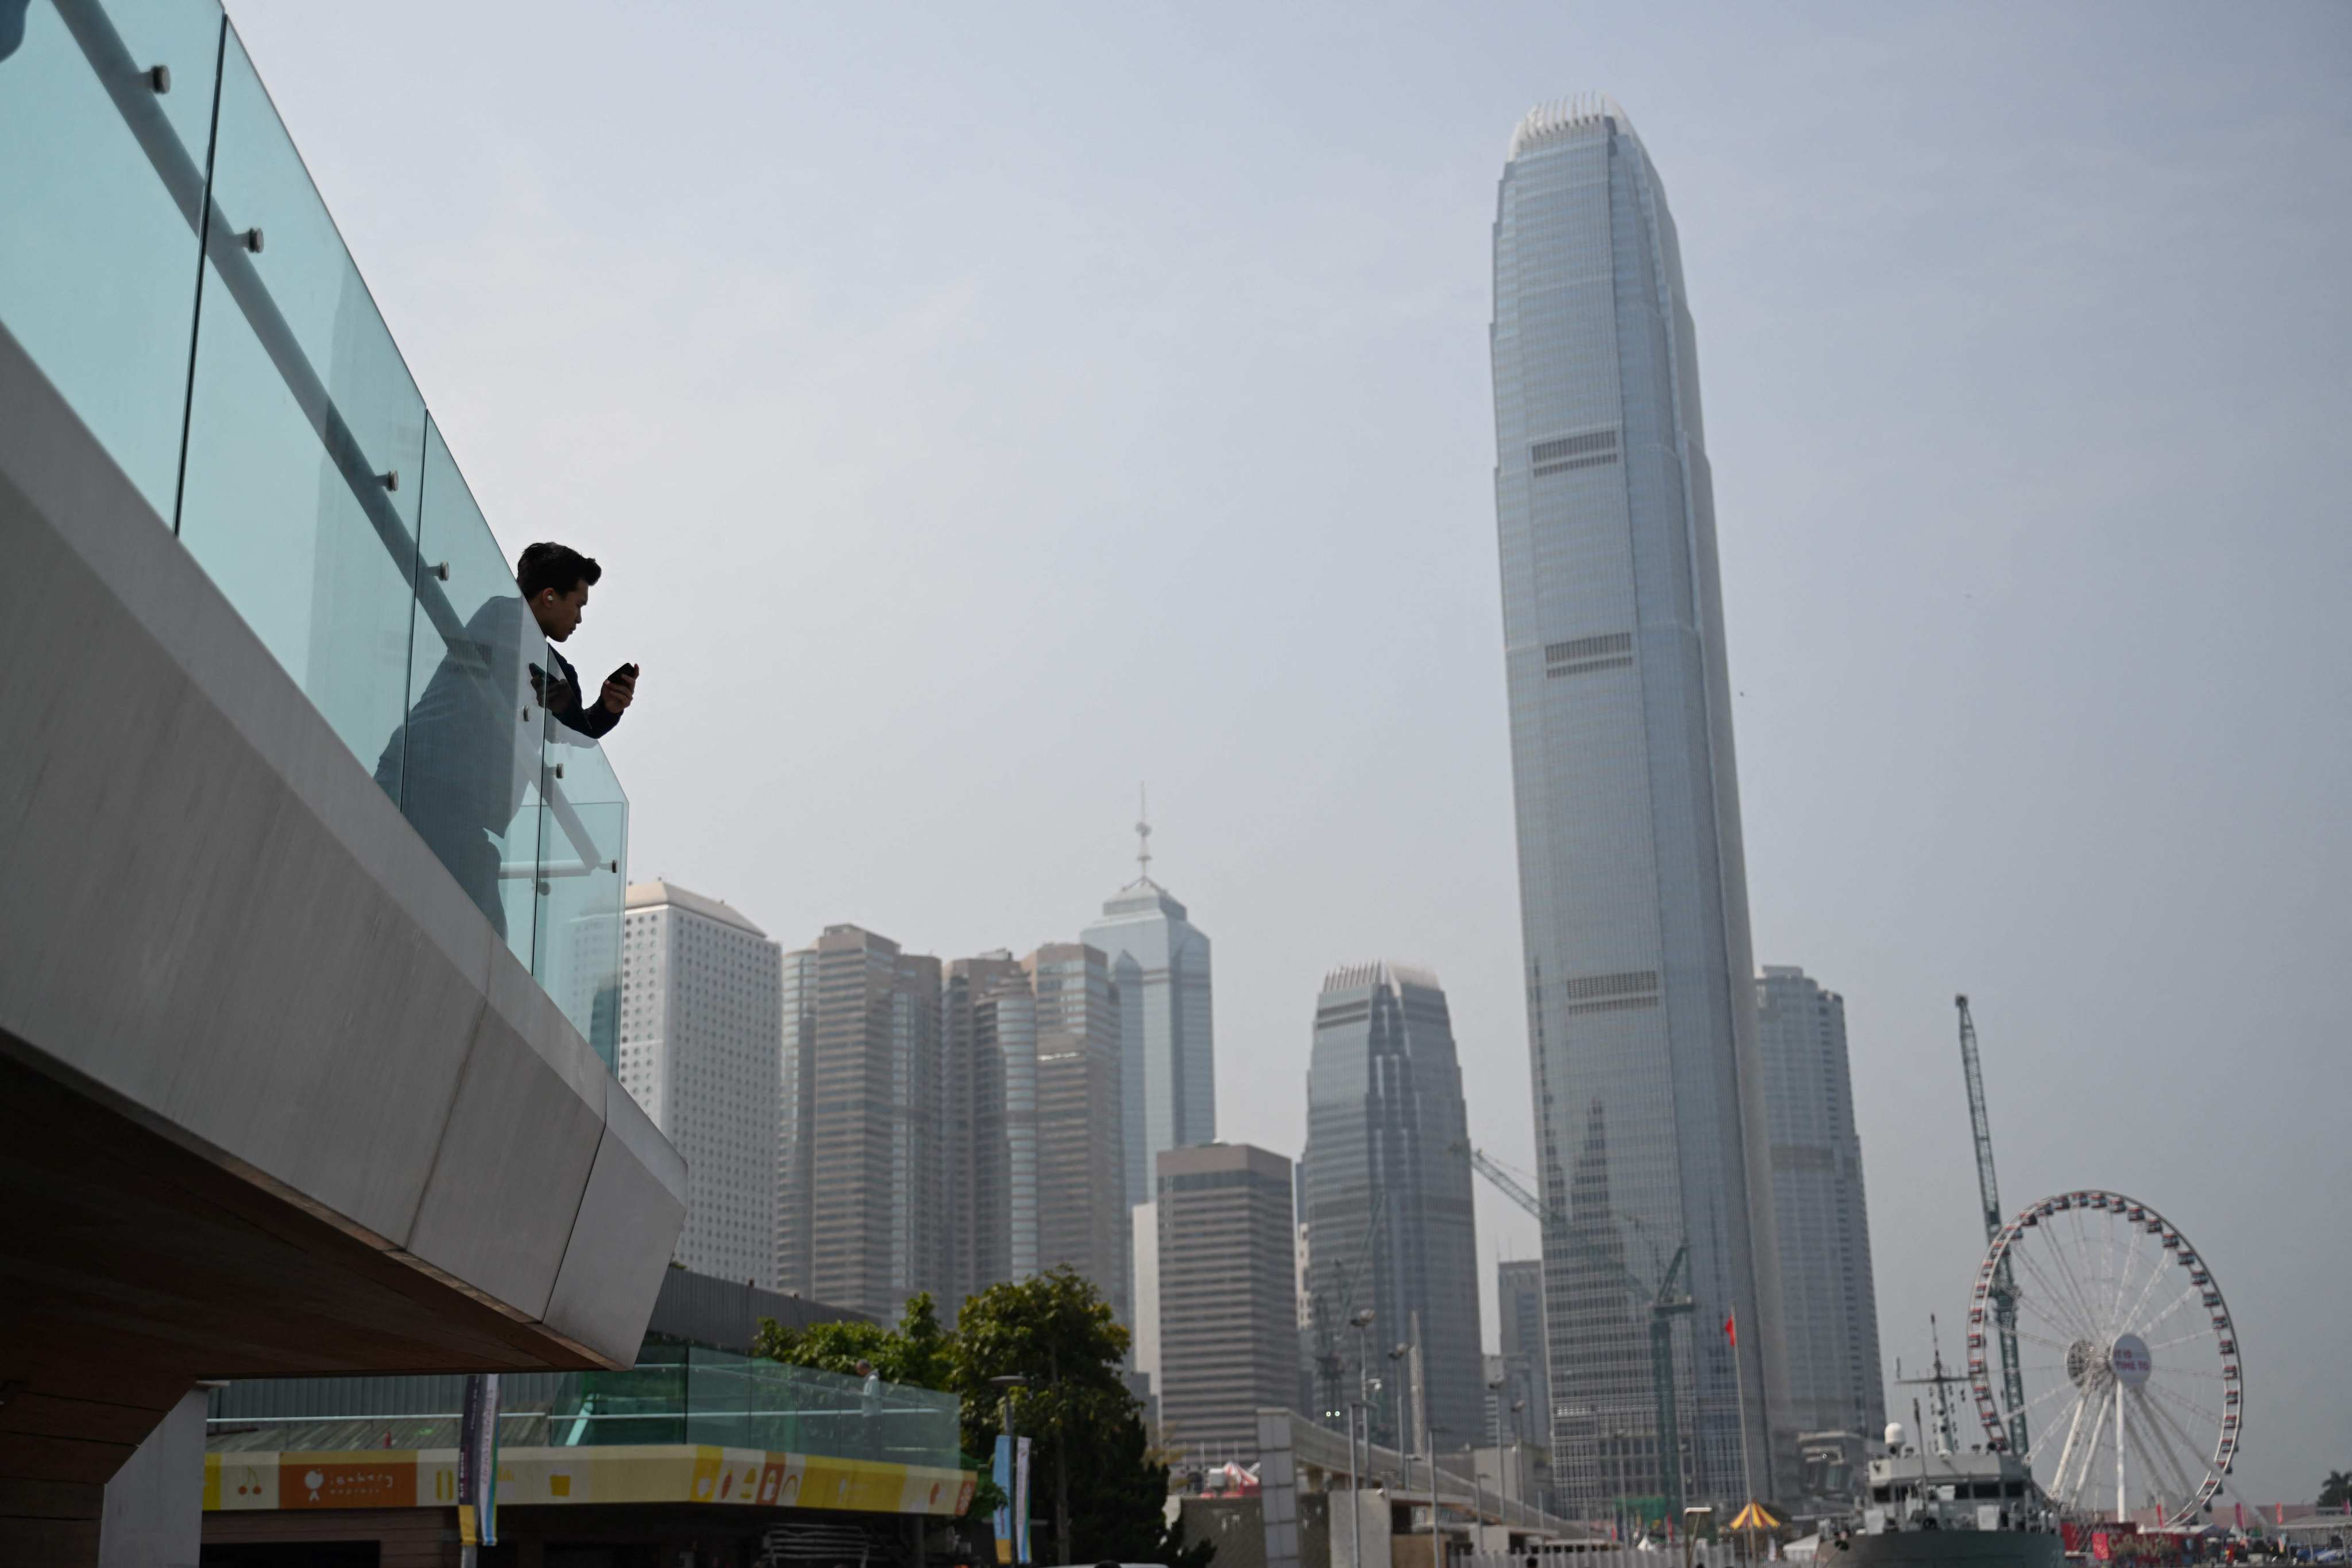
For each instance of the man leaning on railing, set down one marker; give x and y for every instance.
(462, 762)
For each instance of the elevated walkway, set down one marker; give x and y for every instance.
(278, 1094)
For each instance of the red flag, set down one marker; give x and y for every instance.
(1731, 1330)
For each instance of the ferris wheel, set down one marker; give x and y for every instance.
(2131, 1389)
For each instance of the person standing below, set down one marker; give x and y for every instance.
(462, 762)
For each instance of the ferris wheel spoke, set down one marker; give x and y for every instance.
(2135, 1258)
(2119, 1256)
(2029, 1336)
(2187, 1480)
(2206, 1420)
(2055, 1300)
(2082, 1439)
(2065, 1266)
(2036, 1448)
(2201, 1332)
(2189, 1293)
(2155, 1273)
(2030, 1406)
(2073, 1277)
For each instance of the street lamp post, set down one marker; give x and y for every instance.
(1494, 1387)
(1404, 1444)
(1518, 1445)
(1361, 1323)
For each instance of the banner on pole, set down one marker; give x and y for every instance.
(1011, 1473)
(478, 1463)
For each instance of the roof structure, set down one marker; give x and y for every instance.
(1380, 972)
(1562, 117)
(652, 894)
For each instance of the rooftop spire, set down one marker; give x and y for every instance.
(1143, 833)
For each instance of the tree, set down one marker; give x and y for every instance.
(1108, 1491)
(917, 1353)
(2336, 1491)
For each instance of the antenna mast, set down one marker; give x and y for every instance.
(1142, 835)
(2004, 1289)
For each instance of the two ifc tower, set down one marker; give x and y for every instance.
(1651, 1125)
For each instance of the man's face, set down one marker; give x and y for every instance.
(559, 615)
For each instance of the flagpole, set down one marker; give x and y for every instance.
(1739, 1371)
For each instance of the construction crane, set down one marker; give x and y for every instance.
(1329, 1365)
(1664, 1305)
(2004, 1289)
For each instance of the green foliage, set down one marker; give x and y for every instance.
(2336, 1491)
(1086, 1429)
(917, 1353)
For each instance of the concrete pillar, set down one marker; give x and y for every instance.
(154, 1509)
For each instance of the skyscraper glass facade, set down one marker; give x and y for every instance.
(1389, 1220)
(1650, 1125)
(1819, 1210)
(1167, 1081)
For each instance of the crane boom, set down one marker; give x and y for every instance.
(2004, 1289)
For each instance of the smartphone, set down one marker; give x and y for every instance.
(628, 671)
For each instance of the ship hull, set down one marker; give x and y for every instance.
(1951, 1549)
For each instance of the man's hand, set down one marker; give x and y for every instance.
(620, 687)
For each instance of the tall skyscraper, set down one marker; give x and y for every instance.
(1819, 1208)
(1082, 1211)
(1228, 1334)
(1519, 1290)
(1388, 1192)
(862, 1157)
(989, 1023)
(1160, 961)
(1632, 886)
(700, 989)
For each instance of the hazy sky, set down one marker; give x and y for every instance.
(979, 410)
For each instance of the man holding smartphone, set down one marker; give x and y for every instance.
(555, 579)
(464, 758)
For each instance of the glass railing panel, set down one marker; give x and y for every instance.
(465, 763)
(305, 433)
(101, 187)
(647, 1404)
(583, 860)
(718, 1399)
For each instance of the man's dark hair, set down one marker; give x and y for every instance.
(556, 566)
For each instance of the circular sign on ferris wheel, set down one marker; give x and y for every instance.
(2129, 1360)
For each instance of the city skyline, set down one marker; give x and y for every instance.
(1983, 486)
(1650, 1125)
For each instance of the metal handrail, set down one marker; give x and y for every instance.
(127, 85)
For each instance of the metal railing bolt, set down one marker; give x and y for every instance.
(159, 77)
(440, 568)
(391, 478)
(251, 240)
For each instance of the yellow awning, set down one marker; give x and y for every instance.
(1754, 1517)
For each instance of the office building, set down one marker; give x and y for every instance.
(863, 1155)
(1082, 1211)
(1388, 1193)
(1819, 1208)
(702, 993)
(989, 1025)
(1228, 1322)
(1632, 886)
(1160, 961)
(1518, 1294)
